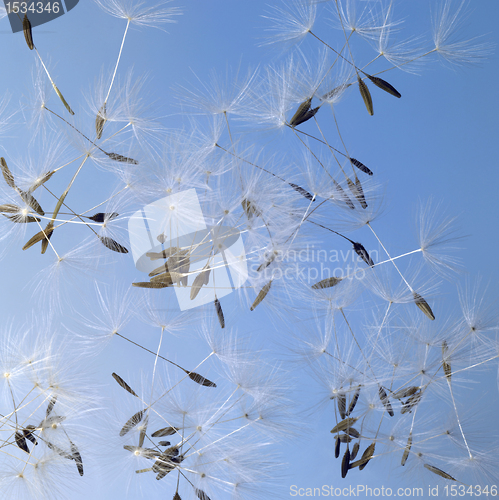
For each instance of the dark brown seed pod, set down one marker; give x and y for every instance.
(439, 472)
(344, 424)
(341, 399)
(132, 422)
(59, 451)
(302, 110)
(28, 34)
(77, 458)
(220, 313)
(309, 114)
(122, 159)
(112, 244)
(200, 380)
(384, 399)
(327, 283)
(7, 174)
(337, 447)
(407, 450)
(165, 431)
(21, 442)
(345, 463)
(176, 496)
(261, 295)
(302, 191)
(354, 451)
(123, 384)
(48, 231)
(51, 405)
(363, 254)
(366, 95)
(100, 120)
(154, 284)
(103, 217)
(384, 85)
(353, 401)
(164, 443)
(423, 305)
(361, 166)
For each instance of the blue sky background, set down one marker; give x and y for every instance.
(437, 141)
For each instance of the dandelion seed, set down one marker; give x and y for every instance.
(31, 201)
(7, 174)
(383, 85)
(407, 450)
(326, 283)
(123, 384)
(337, 447)
(220, 313)
(41, 235)
(154, 284)
(51, 405)
(103, 217)
(353, 401)
(112, 245)
(366, 456)
(366, 95)
(411, 402)
(344, 196)
(344, 424)
(28, 434)
(354, 451)
(384, 399)
(261, 295)
(164, 443)
(337, 91)
(200, 380)
(21, 442)
(361, 166)
(203, 278)
(341, 400)
(28, 35)
(362, 253)
(405, 393)
(100, 120)
(439, 472)
(165, 278)
(345, 463)
(77, 458)
(445, 363)
(165, 254)
(201, 494)
(250, 209)
(360, 194)
(122, 159)
(22, 219)
(9, 209)
(353, 432)
(40, 181)
(132, 422)
(423, 305)
(302, 191)
(61, 97)
(165, 431)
